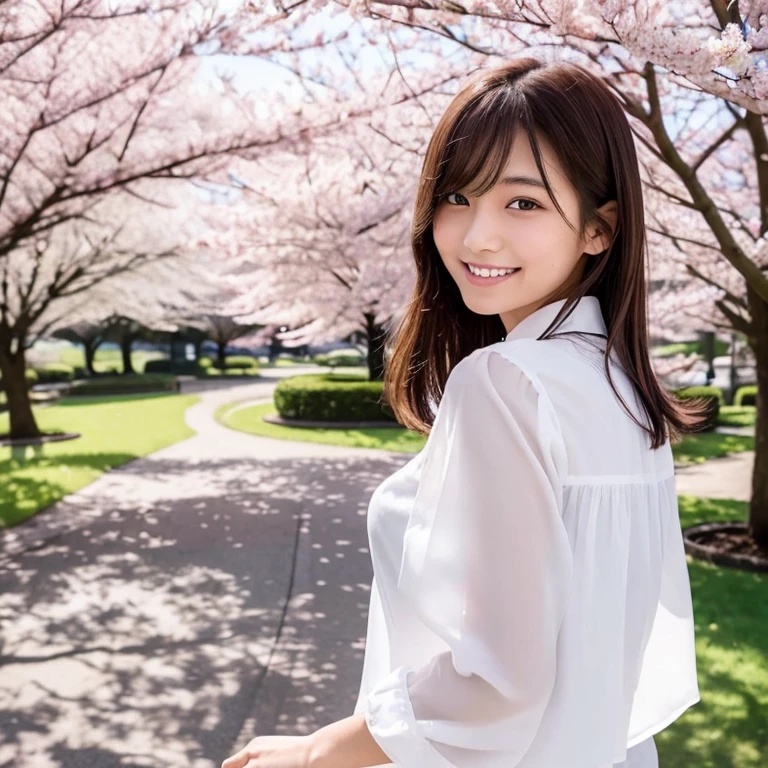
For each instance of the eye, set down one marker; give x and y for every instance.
(526, 200)
(532, 203)
(448, 194)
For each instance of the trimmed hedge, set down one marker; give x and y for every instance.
(746, 395)
(331, 397)
(333, 361)
(55, 373)
(713, 394)
(124, 384)
(239, 362)
(168, 366)
(722, 347)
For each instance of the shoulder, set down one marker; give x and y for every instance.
(509, 367)
(498, 392)
(505, 374)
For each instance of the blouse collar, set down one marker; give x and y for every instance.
(585, 316)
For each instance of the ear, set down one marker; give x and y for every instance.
(598, 240)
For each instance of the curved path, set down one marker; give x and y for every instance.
(189, 600)
(194, 598)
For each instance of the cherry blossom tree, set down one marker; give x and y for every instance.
(142, 303)
(693, 80)
(319, 239)
(88, 334)
(102, 105)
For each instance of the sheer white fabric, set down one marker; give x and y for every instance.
(530, 604)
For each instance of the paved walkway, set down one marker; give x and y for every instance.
(727, 477)
(187, 601)
(192, 599)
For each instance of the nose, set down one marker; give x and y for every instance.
(482, 234)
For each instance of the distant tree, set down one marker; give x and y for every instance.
(318, 241)
(106, 111)
(89, 335)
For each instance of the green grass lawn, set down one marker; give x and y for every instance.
(692, 449)
(114, 430)
(108, 358)
(728, 728)
(249, 419)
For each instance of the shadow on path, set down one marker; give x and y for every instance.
(186, 599)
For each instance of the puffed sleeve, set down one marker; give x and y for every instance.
(487, 566)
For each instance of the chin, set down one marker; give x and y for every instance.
(484, 308)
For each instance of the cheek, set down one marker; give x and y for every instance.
(438, 231)
(443, 230)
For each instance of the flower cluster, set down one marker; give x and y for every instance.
(731, 49)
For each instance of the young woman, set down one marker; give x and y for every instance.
(530, 605)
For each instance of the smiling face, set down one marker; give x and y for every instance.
(515, 224)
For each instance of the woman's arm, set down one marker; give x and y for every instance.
(487, 567)
(346, 744)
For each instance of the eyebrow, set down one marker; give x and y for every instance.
(530, 180)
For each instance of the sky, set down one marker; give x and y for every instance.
(253, 73)
(257, 73)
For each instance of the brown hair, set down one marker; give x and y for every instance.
(586, 125)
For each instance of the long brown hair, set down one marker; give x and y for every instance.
(589, 131)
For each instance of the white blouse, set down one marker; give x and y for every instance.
(530, 604)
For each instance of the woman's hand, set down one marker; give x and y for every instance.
(273, 752)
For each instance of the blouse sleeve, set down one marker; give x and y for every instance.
(487, 566)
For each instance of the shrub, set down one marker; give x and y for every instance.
(336, 360)
(168, 366)
(241, 362)
(746, 395)
(331, 397)
(722, 347)
(54, 373)
(715, 397)
(123, 385)
(204, 362)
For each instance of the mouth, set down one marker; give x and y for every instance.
(487, 266)
(480, 280)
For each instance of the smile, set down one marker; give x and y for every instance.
(480, 280)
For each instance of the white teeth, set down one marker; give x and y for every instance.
(490, 272)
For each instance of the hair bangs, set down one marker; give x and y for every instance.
(478, 147)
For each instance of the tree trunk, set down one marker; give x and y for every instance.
(12, 366)
(376, 335)
(125, 347)
(221, 357)
(758, 504)
(732, 383)
(90, 354)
